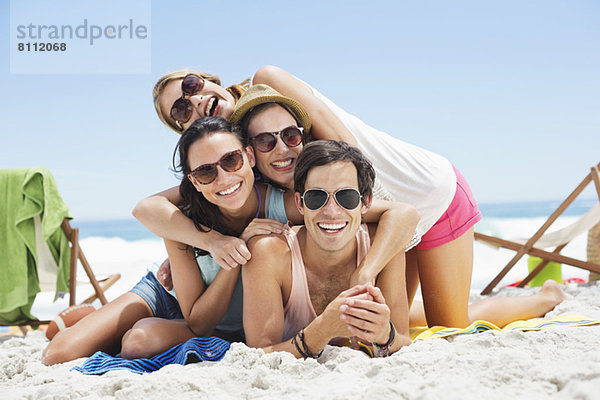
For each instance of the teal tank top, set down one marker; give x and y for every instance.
(233, 319)
(274, 205)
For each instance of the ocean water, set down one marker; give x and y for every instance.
(128, 248)
(131, 230)
(534, 209)
(126, 229)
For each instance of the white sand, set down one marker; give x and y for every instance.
(561, 362)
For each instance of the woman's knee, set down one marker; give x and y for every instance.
(135, 343)
(60, 350)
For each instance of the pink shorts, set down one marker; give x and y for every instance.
(461, 215)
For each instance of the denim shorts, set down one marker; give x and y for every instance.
(163, 305)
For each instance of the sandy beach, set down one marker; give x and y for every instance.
(560, 362)
(504, 93)
(563, 362)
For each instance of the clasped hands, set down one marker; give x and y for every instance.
(361, 313)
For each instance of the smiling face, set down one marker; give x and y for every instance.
(212, 100)
(331, 227)
(230, 190)
(277, 164)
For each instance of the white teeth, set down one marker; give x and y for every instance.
(209, 105)
(230, 190)
(281, 164)
(332, 227)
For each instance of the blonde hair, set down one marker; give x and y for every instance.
(235, 90)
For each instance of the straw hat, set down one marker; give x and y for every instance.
(259, 94)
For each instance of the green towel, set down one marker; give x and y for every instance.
(26, 193)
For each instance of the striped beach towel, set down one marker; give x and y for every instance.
(424, 333)
(193, 351)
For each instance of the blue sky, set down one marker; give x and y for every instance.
(508, 91)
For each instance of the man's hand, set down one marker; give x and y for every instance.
(366, 315)
(164, 274)
(333, 315)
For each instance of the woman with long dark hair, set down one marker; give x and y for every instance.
(219, 195)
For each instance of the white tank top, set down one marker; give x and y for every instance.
(405, 173)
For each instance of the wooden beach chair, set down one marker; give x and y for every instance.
(46, 265)
(558, 239)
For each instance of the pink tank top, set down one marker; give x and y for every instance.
(299, 311)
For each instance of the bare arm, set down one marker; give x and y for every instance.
(396, 225)
(263, 279)
(392, 283)
(264, 290)
(395, 235)
(202, 307)
(325, 125)
(368, 318)
(161, 216)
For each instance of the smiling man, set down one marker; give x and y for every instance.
(297, 294)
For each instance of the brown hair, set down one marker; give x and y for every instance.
(235, 90)
(265, 106)
(259, 176)
(324, 152)
(193, 203)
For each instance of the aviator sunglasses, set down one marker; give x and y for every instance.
(207, 173)
(316, 198)
(181, 111)
(266, 141)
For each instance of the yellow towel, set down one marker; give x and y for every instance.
(425, 333)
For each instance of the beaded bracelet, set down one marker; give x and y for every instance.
(298, 349)
(303, 348)
(383, 350)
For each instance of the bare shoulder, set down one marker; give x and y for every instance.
(268, 73)
(268, 246)
(270, 261)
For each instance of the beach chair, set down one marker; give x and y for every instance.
(558, 239)
(40, 248)
(593, 249)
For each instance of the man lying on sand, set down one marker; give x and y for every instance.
(296, 286)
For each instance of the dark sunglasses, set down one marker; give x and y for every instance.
(207, 173)
(266, 141)
(316, 198)
(181, 111)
